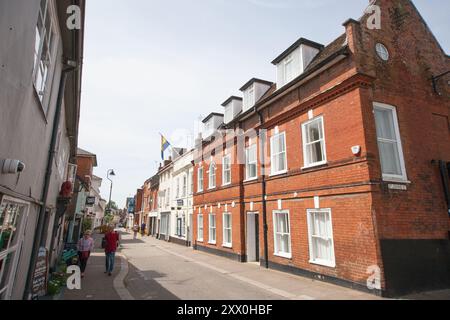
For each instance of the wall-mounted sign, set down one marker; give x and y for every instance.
(90, 201)
(180, 203)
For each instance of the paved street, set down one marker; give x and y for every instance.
(150, 269)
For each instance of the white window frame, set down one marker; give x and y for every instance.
(225, 170)
(42, 93)
(225, 243)
(228, 116)
(200, 179)
(168, 197)
(191, 178)
(277, 252)
(272, 155)
(184, 186)
(212, 229)
(391, 177)
(212, 178)
(252, 148)
(200, 226)
(306, 144)
(327, 263)
(288, 60)
(178, 187)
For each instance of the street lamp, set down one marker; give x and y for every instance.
(110, 173)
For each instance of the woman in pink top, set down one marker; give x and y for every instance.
(85, 246)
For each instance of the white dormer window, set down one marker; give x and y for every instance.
(249, 98)
(208, 126)
(289, 72)
(294, 61)
(229, 113)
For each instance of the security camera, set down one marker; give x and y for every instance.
(12, 166)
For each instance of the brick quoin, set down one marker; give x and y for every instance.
(403, 232)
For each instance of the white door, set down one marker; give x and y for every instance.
(13, 218)
(252, 237)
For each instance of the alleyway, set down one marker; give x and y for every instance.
(157, 270)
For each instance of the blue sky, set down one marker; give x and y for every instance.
(157, 66)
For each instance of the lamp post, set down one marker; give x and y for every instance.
(110, 173)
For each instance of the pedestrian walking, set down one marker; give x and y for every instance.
(112, 242)
(85, 246)
(135, 231)
(143, 226)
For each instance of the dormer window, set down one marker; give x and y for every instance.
(212, 123)
(249, 98)
(294, 61)
(233, 106)
(289, 72)
(253, 91)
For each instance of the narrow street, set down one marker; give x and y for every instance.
(157, 270)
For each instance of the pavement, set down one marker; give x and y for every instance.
(96, 285)
(150, 269)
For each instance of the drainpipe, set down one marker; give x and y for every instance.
(263, 187)
(39, 239)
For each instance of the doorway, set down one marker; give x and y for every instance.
(252, 237)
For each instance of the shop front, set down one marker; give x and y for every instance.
(13, 218)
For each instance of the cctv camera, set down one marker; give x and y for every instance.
(12, 166)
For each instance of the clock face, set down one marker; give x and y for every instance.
(382, 51)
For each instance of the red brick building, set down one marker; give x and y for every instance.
(342, 173)
(150, 204)
(138, 208)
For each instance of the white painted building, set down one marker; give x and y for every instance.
(97, 211)
(164, 200)
(182, 199)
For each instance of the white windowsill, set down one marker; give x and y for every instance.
(212, 242)
(278, 173)
(283, 255)
(200, 240)
(313, 165)
(227, 245)
(396, 180)
(226, 184)
(323, 263)
(251, 179)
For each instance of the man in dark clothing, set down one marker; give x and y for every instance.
(112, 242)
(143, 226)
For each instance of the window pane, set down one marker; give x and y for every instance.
(385, 124)
(313, 131)
(390, 160)
(281, 162)
(285, 243)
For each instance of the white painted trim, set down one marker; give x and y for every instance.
(200, 185)
(223, 170)
(250, 147)
(304, 143)
(227, 244)
(390, 177)
(276, 173)
(276, 251)
(331, 264)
